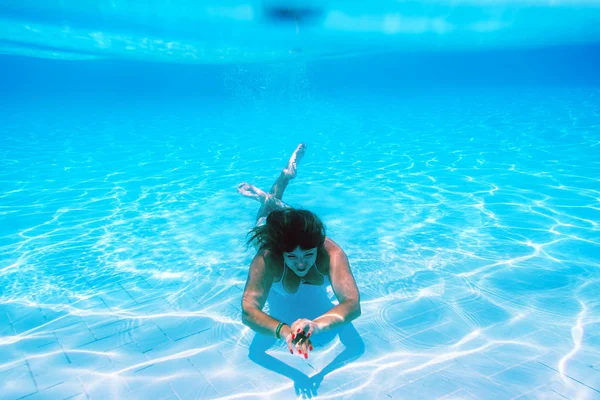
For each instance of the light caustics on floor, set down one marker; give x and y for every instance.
(474, 241)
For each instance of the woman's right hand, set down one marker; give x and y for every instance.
(299, 344)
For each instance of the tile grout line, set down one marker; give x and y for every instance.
(516, 365)
(570, 377)
(62, 348)
(31, 375)
(529, 391)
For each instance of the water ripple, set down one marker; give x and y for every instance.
(473, 237)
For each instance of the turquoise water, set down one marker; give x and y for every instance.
(463, 186)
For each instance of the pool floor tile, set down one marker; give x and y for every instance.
(16, 383)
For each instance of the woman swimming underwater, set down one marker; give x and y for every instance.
(298, 261)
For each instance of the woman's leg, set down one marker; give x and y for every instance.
(272, 200)
(288, 173)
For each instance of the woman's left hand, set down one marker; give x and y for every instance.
(304, 327)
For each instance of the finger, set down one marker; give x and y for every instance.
(299, 326)
(305, 349)
(295, 328)
(306, 325)
(299, 333)
(290, 345)
(310, 330)
(299, 348)
(297, 337)
(302, 348)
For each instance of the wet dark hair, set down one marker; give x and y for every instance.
(287, 229)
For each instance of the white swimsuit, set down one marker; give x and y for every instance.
(309, 301)
(279, 288)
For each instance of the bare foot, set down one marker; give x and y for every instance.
(248, 190)
(290, 171)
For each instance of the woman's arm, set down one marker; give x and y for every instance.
(260, 279)
(346, 291)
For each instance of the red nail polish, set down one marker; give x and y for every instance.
(292, 351)
(293, 336)
(300, 351)
(310, 348)
(307, 336)
(298, 330)
(306, 355)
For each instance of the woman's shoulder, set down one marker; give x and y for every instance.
(273, 262)
(326, 252)
(331, 248)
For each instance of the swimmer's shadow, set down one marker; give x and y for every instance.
(304, 385)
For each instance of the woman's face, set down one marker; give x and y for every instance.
(300, 260)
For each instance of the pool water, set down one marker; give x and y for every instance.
(463, 186)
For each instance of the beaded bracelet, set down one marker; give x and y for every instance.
(278, 330)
